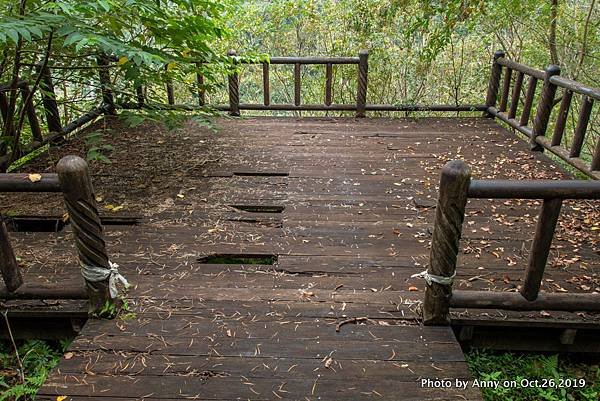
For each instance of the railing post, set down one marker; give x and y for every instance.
(544, 108)
(452, 200)
(50, 105)
(582, 123)
(540, 248)
(107, 94)
(297, 84)
(595, 166)
(363, 75)
(328, 83)
(78, 192)
(266, 84)
(8, 262)
(494, 82)
(234, 89)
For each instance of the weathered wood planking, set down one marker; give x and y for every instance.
(358, 200)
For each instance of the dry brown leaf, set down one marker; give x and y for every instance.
(34, 177)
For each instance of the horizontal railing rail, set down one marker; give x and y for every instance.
(361, 106)
(512, 97)
(22, 182)
(74, 181)
(534, 189)
(455, 188)
(509, 95)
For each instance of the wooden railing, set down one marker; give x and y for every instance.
(511, 97)
(503, 70)
(455, 189)
(360, 107)
(74, 181)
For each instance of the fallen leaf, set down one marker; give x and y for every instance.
(68, 355)
(34, 177)
(413, 288)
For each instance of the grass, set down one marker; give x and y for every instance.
(37, 358)
(559, 378)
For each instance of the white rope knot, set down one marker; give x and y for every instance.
(95, 274)
(432, 278)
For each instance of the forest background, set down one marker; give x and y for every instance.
(420, 52)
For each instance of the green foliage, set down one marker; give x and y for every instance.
(171, 119)
(420, 51)
(487, 365)
(97, 150)
(145, 42)
(38, 358)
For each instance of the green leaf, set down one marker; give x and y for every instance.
(72, 38)
(14, 35)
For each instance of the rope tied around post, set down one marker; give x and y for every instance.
(432, 278)
(76, 184)
(97, 274)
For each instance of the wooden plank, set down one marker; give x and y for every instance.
(359, 201)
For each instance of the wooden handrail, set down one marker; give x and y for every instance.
(534, 189)
(298, 62)
(576, 87)
(21, 182)
(455, 187)
(74, 181)
(507, 111)
(513, 65)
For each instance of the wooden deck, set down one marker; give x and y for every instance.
(358, 201)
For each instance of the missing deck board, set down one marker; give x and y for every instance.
(238, 259)
(57, 223)
(259, 208)
(260, 174)
(35, 224)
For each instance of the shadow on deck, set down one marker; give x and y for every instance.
(346, 208)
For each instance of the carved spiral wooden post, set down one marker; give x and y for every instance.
(449, 216)
(363, 72)
(234, 89)
(494, 82)
(8, 262)
(544, 107)
(78, 192)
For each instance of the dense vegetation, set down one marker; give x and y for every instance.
(420, 52)
(510, 366)
(24, 371)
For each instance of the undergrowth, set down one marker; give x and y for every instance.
(37, 358)
(500, 366)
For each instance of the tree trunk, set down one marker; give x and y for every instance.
(552, 33)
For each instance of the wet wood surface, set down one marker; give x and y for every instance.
(346, 206)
